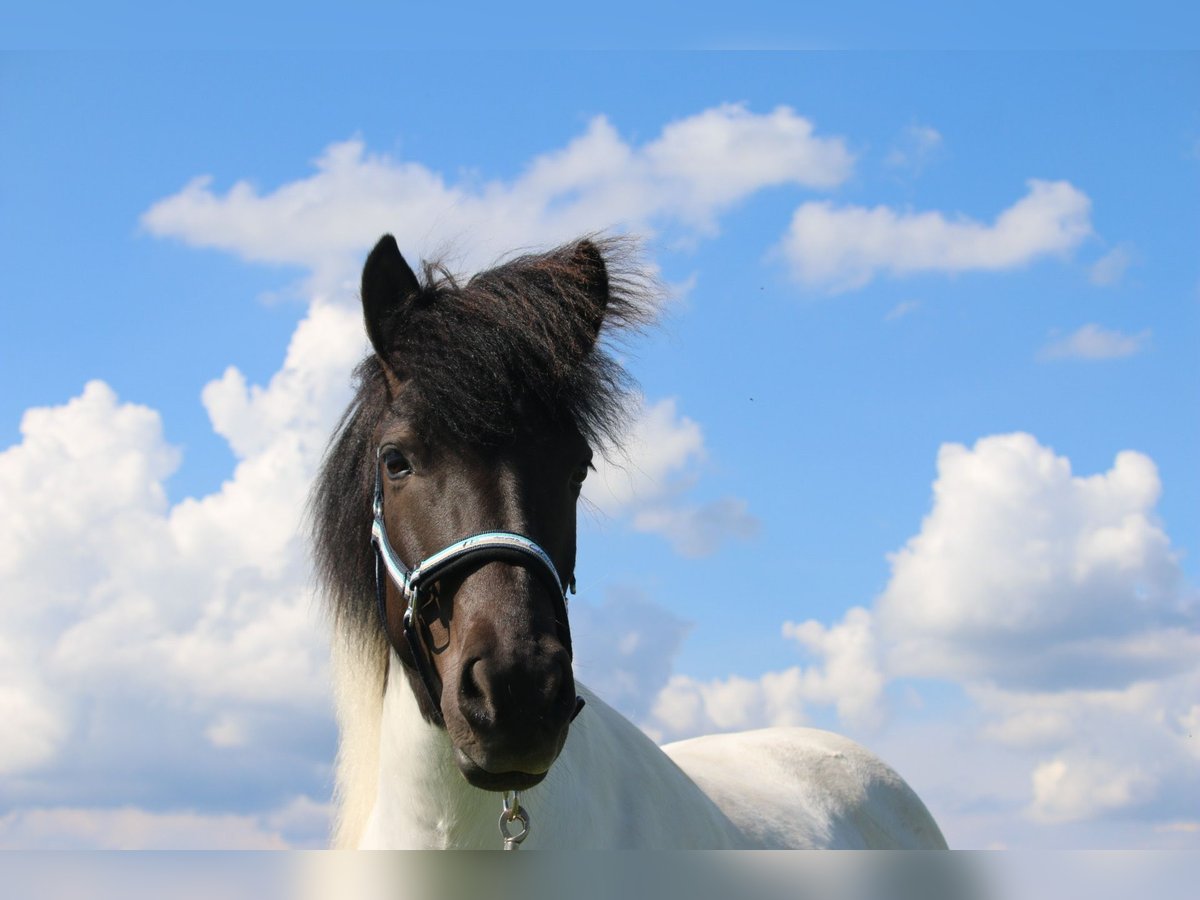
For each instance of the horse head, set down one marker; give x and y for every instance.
(476, 414)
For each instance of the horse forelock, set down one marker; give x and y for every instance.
(521, 335)
(478, 357)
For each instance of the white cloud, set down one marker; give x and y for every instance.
(1109, 269)
(1092, 342)
(1068, 790)
(655, 465)
(1057, 602)
(119, 607)
(847, 677)
(227, 731)
(1028, 574)
(658, 443)
(716, 158)
(81, 489)
(844, 247)
(851, 679)
(696, 168)
(303, 397)
(51, 475)
(687, 706)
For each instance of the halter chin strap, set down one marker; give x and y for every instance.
(504, 546)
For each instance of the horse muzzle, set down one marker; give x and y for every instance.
(508, 716)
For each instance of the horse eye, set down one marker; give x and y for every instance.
(395, 463)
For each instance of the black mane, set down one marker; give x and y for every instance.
(477, 357)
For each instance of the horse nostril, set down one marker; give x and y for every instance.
(468, 685)
(475, 700)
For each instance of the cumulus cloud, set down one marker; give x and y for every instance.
(851, 679)
(131, 625)
(714, 159)
(209, 599)
(82, 487)
(303, 397)
(1093, 342)
(1027, 574)
(695, 169)
(1057, 601)
(193, 625)
(840, 248)
(688, 706)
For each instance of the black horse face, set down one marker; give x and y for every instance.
(493, 635)
(495, 632)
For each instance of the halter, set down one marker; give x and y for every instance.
(505, 546)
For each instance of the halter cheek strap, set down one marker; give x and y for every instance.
(504, 546)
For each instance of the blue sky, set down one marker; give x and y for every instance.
(916, 459)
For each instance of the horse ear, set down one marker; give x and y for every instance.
(587, 260)
(388, 286)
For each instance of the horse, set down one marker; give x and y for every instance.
(443, 521)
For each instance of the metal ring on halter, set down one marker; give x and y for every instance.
(513, 812)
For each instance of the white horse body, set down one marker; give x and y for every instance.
(612, 787)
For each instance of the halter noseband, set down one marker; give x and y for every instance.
(505, 546)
